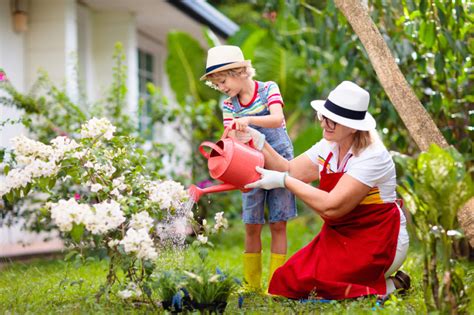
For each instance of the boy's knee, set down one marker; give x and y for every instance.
(253, 229)
(278, 227)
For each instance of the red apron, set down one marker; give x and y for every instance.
(348, 258)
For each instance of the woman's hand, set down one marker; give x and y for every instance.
(241, 123)
(270, 179)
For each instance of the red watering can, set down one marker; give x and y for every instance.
(231, 162)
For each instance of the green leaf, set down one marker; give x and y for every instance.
(6, 169)
(275, 63)
(77, 232)
(185, 64)
(430, 34)
(211, 38)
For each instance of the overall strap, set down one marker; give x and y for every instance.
(261, 93)
(236, 104)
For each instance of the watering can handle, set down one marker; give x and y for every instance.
(212, 146)
(229, 128)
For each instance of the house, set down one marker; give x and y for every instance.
(58, 35)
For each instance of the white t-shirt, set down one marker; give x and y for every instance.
(373, 167)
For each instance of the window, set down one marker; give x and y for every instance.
(145, 75)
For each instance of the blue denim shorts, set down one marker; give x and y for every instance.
(281, 202)
(281, 205)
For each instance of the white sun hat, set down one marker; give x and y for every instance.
(224, 57)
(347, 105)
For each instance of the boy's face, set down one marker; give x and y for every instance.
(228, 85)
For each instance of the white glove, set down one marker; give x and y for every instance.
(270, 179)
(257, 137)
(242, 136)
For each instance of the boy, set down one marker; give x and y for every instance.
(260, 106)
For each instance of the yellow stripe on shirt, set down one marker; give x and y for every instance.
(373, 197)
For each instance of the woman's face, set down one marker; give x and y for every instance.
(333, 131)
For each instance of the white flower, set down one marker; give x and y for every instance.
(168, 194)
(115, 192)
(113, 243)
(119, 183)
(97, 128)
(66, 212)
(89, 164)
(141, 220)
(454, 233)
(193, 276)
(138, 242)
(221, 222)
(61, 146)
(202, 239)
(125, 294)
(106, 216)
(96, 187)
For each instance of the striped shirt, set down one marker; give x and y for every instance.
(255, 106)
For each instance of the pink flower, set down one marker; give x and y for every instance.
(204, 183)
(77, 196)
(3, 76)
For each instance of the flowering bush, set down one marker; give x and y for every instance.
(112, 204)
(100, 183)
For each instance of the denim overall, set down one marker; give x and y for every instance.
(281, 202)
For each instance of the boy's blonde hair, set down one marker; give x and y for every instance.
(248, 71)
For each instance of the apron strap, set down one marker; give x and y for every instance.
(344, 166)
(327, 162)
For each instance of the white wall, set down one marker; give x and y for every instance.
(51, 43)
(12, 60)
(84, 38)
(165, 133)
(110, 28)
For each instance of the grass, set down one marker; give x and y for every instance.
(59, 287)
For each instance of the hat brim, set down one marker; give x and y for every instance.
(366, 124)
(238, 64)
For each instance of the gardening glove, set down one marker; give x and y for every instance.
(257, 137)
(242, 136)
(250, 134)
(270, 179)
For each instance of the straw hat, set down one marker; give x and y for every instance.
(347, 105)
(224, 57)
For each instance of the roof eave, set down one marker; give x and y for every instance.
(205, 13)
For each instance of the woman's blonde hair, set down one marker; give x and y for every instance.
(363, 139)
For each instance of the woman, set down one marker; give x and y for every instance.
(363, 239)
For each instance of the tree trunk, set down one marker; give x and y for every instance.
(417, 120)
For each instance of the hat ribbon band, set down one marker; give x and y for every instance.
(344, 112)
(217, 66)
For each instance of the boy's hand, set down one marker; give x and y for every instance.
(270, 179)
(241, 123)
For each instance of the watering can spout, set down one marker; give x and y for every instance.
(196, 193)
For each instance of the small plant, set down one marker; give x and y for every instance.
(436, 186)
(200, 286)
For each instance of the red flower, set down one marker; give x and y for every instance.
(3, 76)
